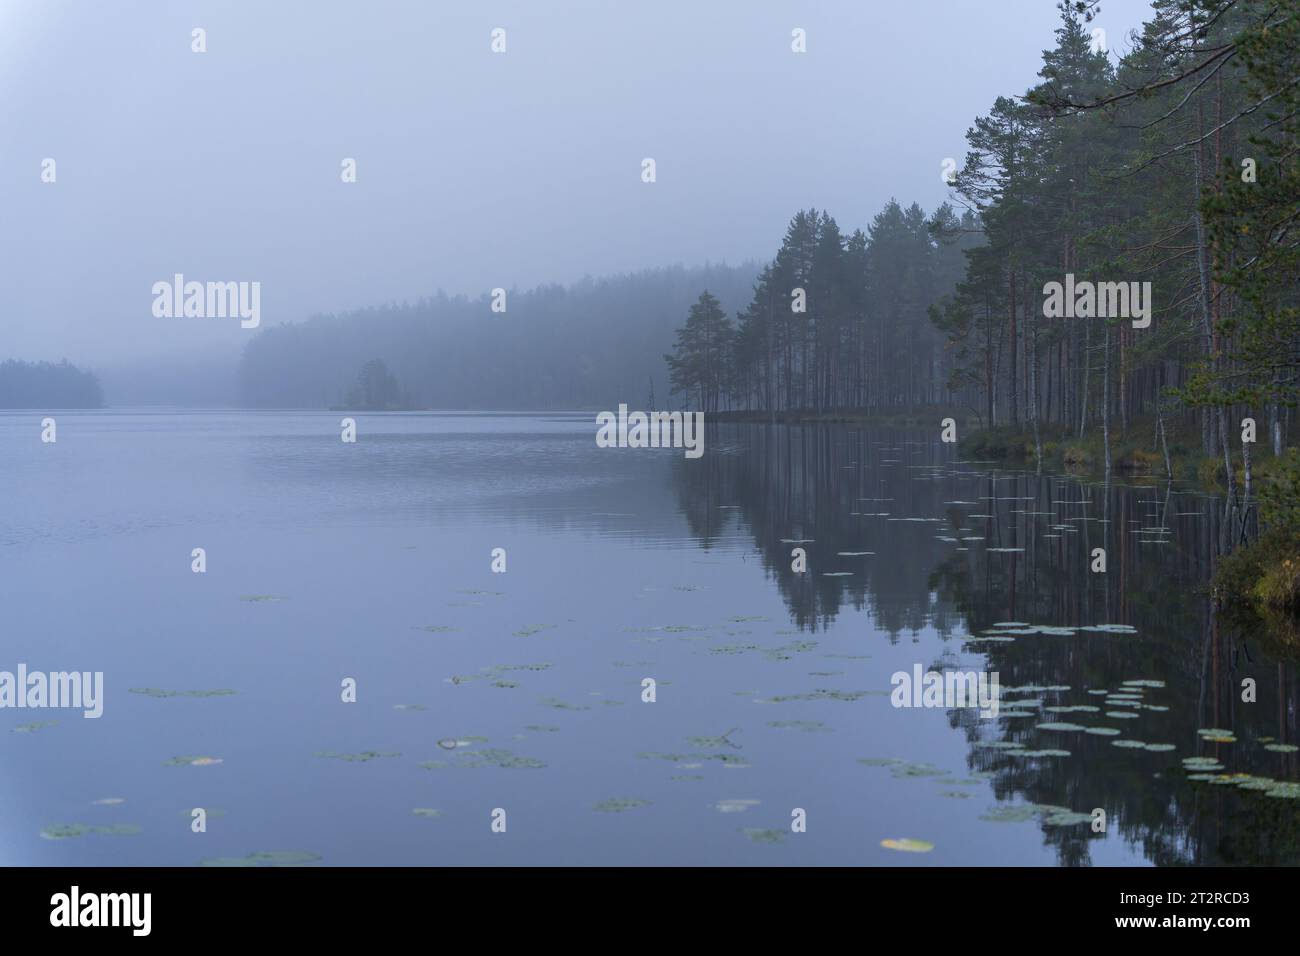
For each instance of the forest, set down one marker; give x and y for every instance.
(48, 385)
(1175, 165)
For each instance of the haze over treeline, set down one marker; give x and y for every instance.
(581, 346)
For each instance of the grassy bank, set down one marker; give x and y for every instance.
(1136, 452)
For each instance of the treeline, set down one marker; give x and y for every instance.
(1175, 167)
(590, 345)
(48, 385)
(834, 321)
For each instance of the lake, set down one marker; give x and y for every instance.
(475, 691)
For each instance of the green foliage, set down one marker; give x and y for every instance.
(699, 363)
(1265, 575)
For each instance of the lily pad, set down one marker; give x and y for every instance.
(361, 757)
(908, 845)
(265, 858)
(620, 804)
(33, 727)
(68, 831)
(192, 761)
(734, 806)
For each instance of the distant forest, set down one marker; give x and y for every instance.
(47, 385)
(589, 345)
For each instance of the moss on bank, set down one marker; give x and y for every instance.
(1135, 452)
(1261, 581)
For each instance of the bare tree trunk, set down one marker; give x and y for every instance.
(1248, 481)
(1164, 444)
(1083, 390)
(1033, 385)
(1105, 400)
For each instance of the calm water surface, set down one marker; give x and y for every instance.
(523, 690)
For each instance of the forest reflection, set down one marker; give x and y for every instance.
(958, 547)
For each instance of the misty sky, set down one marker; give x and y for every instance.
(474, 169)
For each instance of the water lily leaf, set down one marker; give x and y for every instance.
(917, 770)
(908, 845)
(68, 831)
(531, 629)
(1281, 748)
(620, 804)
(557, 704)
(1073, 708)
(734, 806)
(192, 761)
(361, 757)
(265, 858)
(33, 727)
(1066, 819)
